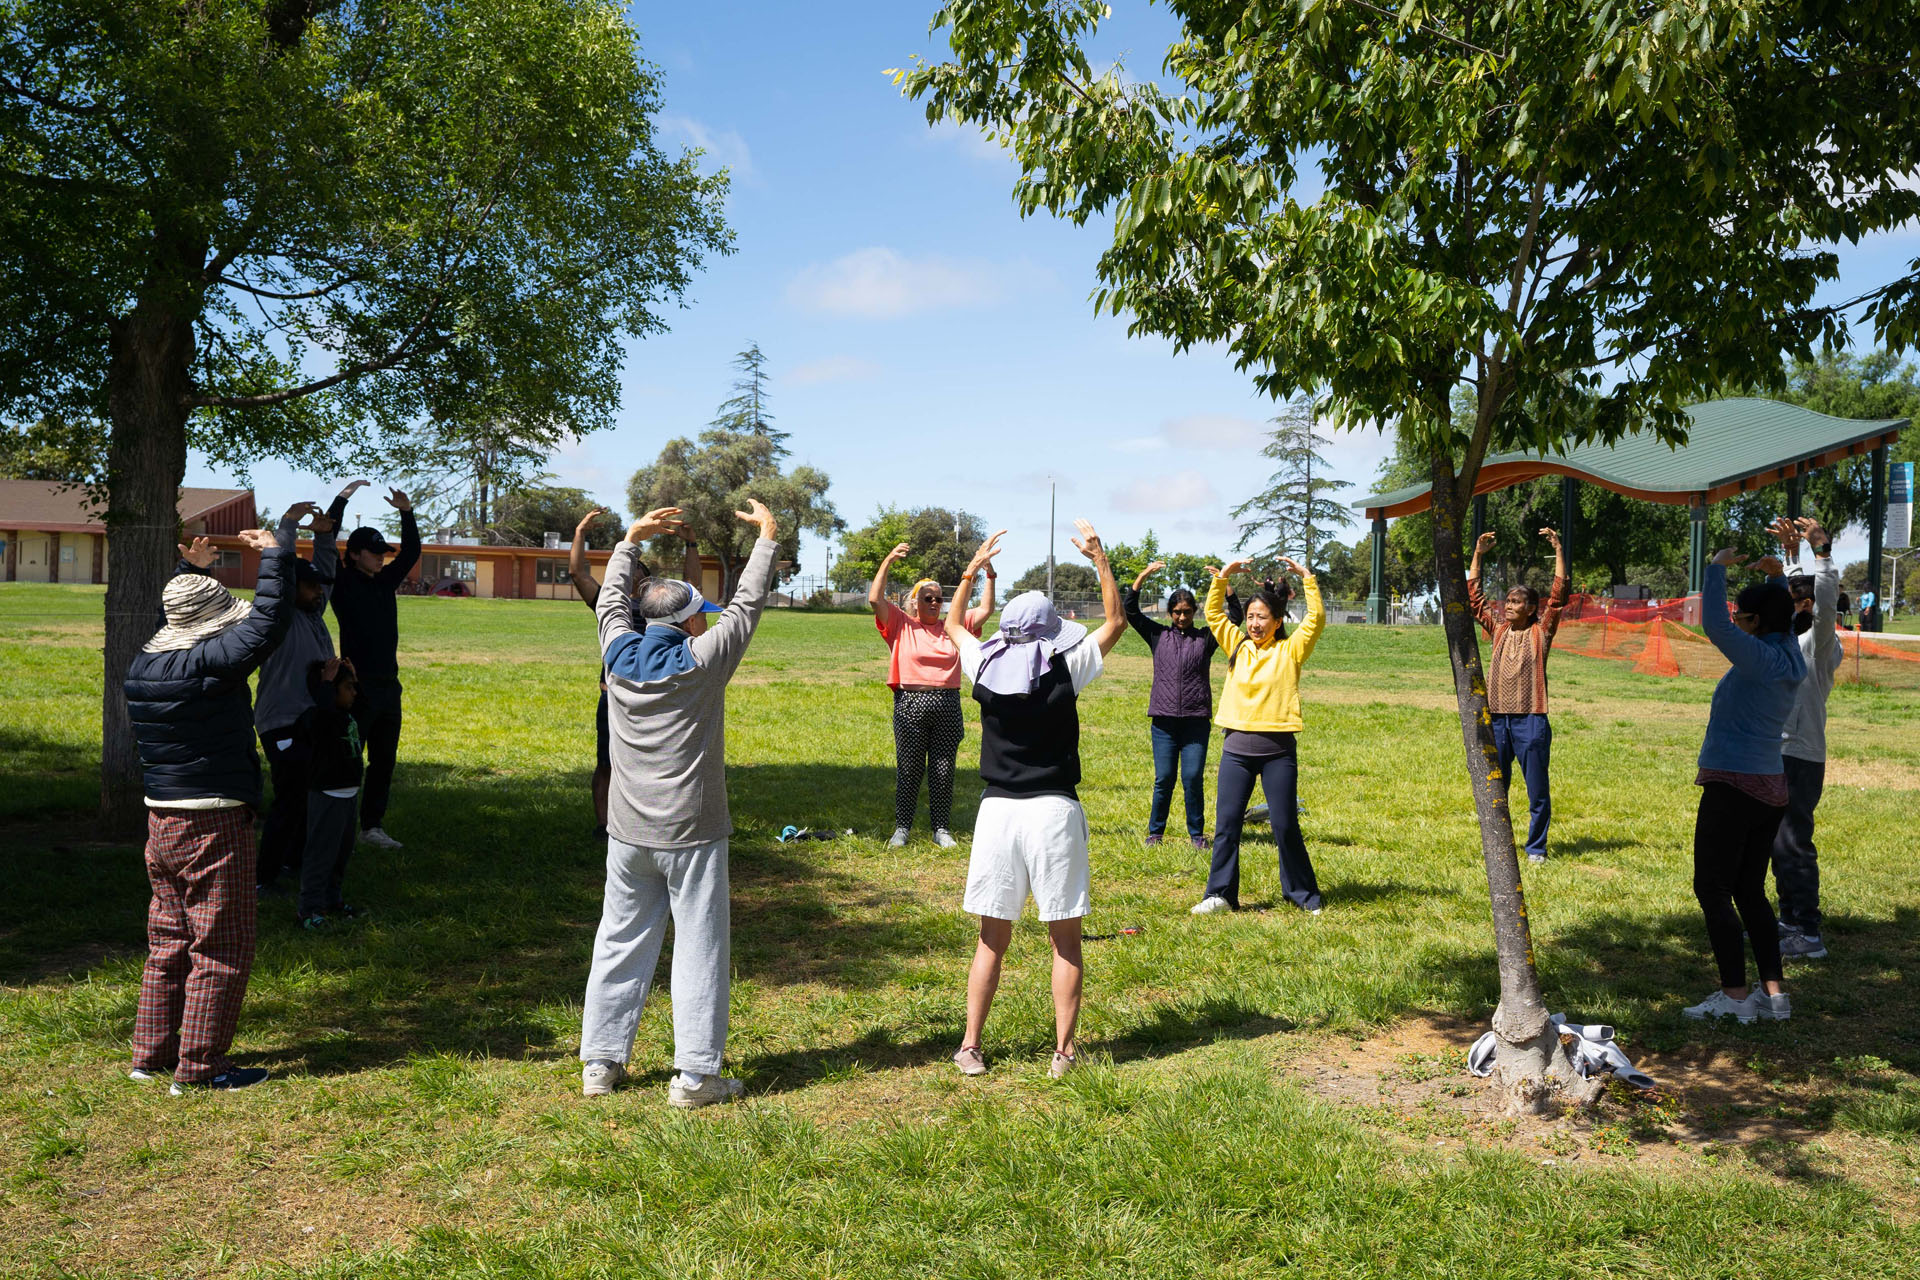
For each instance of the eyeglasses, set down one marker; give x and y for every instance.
(1750, 617)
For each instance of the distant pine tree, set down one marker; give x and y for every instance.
(746, 410)
(1291, 515)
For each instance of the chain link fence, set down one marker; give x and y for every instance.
(812, 591)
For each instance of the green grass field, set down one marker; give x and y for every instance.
(1267, 1094)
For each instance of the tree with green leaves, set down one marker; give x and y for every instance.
(525, 514)
(1581, 215)
(746, 409)
(942, 541)
(1285, 515)
(1070, 581)
(285, 227)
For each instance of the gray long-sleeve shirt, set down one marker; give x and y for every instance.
(282, 697)
(1805, 737)
(666, 694)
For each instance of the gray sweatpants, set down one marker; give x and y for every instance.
(644, 887)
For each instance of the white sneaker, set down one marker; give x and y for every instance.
(944, 838)
(379, 839)
(601, 1077)
(709, 1091)
(1062, 1063)
(899, 839)
(141, 1075)
(1777, 1008)
(1208, 905)
(1720, 1005)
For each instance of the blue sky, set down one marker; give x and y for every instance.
(928, 345)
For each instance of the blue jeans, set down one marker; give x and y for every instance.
(1183, 738)
(1528, 739)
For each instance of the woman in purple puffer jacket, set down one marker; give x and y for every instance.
(1180, 708)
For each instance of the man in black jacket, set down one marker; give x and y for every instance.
(363, 601)
(192, 717)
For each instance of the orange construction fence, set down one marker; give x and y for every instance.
(1663, 638)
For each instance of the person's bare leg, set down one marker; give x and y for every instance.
(602, 781)
(1067, 973)
(983, 978)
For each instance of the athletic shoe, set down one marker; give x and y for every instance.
(709, 1091)
(1536, 857)
(1802, 946)
(1208, 905)
(144, 1075)
(231, 1078)
(898, 839)
(1777, 1008)
(1202, 845)
(1153, 840)
(1314, 911)
(315, 923)
(379, 839)
(1720, 1005)
(944, 838)
(1062, 1063)
(971, 1061)
(601, 1076)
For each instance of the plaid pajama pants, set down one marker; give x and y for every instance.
(200, 928)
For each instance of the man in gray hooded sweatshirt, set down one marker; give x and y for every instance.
(667, 818)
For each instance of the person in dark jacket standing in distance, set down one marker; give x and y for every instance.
(1031, 835)
(335, 771)
(363, 601)
(1180, 705)
(282, 700)
(192, 717)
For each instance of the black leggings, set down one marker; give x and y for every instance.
(1279, 778)
(1732, 843)
(926, 737)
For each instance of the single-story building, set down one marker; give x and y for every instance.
(51, 532)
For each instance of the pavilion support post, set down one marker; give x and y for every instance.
(1697, 550)
(1569, 512)
(1796, 489)
(1377, 596)
(1876, 530)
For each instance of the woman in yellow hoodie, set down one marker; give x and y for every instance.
(1260, 712)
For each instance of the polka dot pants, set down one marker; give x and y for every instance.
(927, 729)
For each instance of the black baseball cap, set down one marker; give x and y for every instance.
(367, 538)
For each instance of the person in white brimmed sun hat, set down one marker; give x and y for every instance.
(1030, 836)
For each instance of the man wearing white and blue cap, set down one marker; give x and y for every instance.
(667, 818)
(1030, 835)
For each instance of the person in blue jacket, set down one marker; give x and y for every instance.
(192, 717)
(1743, 785)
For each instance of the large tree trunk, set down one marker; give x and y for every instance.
(148, 377)
(1531, 1067)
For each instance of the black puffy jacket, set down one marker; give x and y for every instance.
(192, 712)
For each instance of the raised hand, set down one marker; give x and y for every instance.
(321, 523)
(1728, 556)
(1236, 566)
(1551, 535)
(757, 513)
(1088, 542)
(398, 500)
(300, 511)
(588, 519)
(984, 556)
(657, 523)
(1769, 565)
(899, 552)
(330, 670)
(258, 539)
(1294, 567)
(1813, 532)
(1487, 539)
(1155, 567)
(200, 555)
(350, 490)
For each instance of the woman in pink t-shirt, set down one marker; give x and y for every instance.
(925, 676)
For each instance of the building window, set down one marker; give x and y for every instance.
(462, 570)
(543, 571)
(230, 560)
(67, 554)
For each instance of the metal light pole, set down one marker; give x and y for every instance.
(1052, 494)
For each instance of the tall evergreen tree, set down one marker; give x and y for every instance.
(746, 409)
(1289, 513)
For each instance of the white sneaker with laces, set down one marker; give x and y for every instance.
(710, 1090)
(944, 838)
(1062, 1063)
(1774, 1008)
(601, 1077)
(379, 839)
(899, 839)
(1721, 1005)
(1208, 905)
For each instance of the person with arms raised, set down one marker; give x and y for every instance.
(1031, 834)
(369, 617)
(192, 717)
(923, 669)
(1260, 711)
(1179, 704)
(1803, 755)
(667, 819)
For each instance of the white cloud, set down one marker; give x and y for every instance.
(1140, 444)
(724, 147)
(882, 284)
(1187, 490)
(1219, 432)
(833, 369)
(971, 141)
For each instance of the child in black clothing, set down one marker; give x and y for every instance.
(334, 791)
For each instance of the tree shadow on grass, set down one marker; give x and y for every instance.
(1177, 1027)
(478, 934)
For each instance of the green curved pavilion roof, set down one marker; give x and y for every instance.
(1733, 446)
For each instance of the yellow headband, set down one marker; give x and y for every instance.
(924, 582)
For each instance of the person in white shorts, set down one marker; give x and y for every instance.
(1030, 836)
